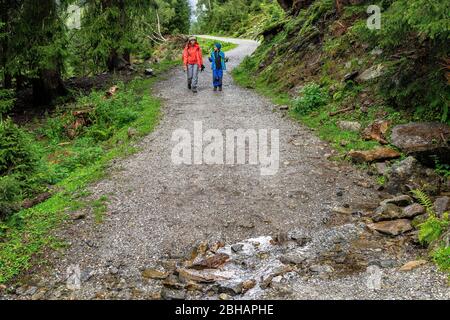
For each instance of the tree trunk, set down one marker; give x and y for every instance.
(4, 49)
(117, 61)
(47, 87)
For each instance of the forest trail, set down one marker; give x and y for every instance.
(159, 211)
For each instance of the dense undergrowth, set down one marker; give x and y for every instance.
(50, 156)
(311, 62)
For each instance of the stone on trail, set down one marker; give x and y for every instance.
(349, 125)
(401, 201)
(292, 258)
(154, 274)
(248, 284)
(78, 215)
(413, 265)
(424, 140)
(379, 154)
(387, 211)
(170, 294)
(342, 210)
(213, 262)
(321, 269)
(204, 276)
(392, 228)
(237, 247)
(413, 211)
(390, 211)
(224, 297)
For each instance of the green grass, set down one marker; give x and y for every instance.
(343, 141)
(441, 257)
(27, 233)
(100, 207)
(320, 120)
(242, 77)
(208, 44)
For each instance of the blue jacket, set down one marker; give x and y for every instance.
(213, 60)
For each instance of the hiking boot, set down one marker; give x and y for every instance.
(194, 90)
(189, 87)
(220, 89)
(215, 89)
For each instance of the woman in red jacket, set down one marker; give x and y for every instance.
(193, 62)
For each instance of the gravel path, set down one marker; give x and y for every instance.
(159, 211)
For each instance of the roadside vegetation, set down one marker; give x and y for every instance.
(75, 93)
(324, 63)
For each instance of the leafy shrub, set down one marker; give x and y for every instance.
(312, 97)
(54, 128)
(441, 257)
(10, 195)
(111, 114)
(6, 101)
(82, 157)
(17, 152)
(417, 33)
(442, 168)
(432, 229)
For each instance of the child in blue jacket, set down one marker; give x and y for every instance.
(218, 64)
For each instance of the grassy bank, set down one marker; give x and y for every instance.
(330, 67)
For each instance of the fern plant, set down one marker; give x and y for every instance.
(424, 200)
(433, 227)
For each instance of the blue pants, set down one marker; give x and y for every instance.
(217, 78)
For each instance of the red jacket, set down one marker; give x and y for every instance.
(193, 55)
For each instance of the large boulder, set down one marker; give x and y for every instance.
(392, 228)
(410, 174)
(371, 73)
(424, 140)
(441, 205)
(349, 125)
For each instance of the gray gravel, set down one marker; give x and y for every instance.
(159, 211)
